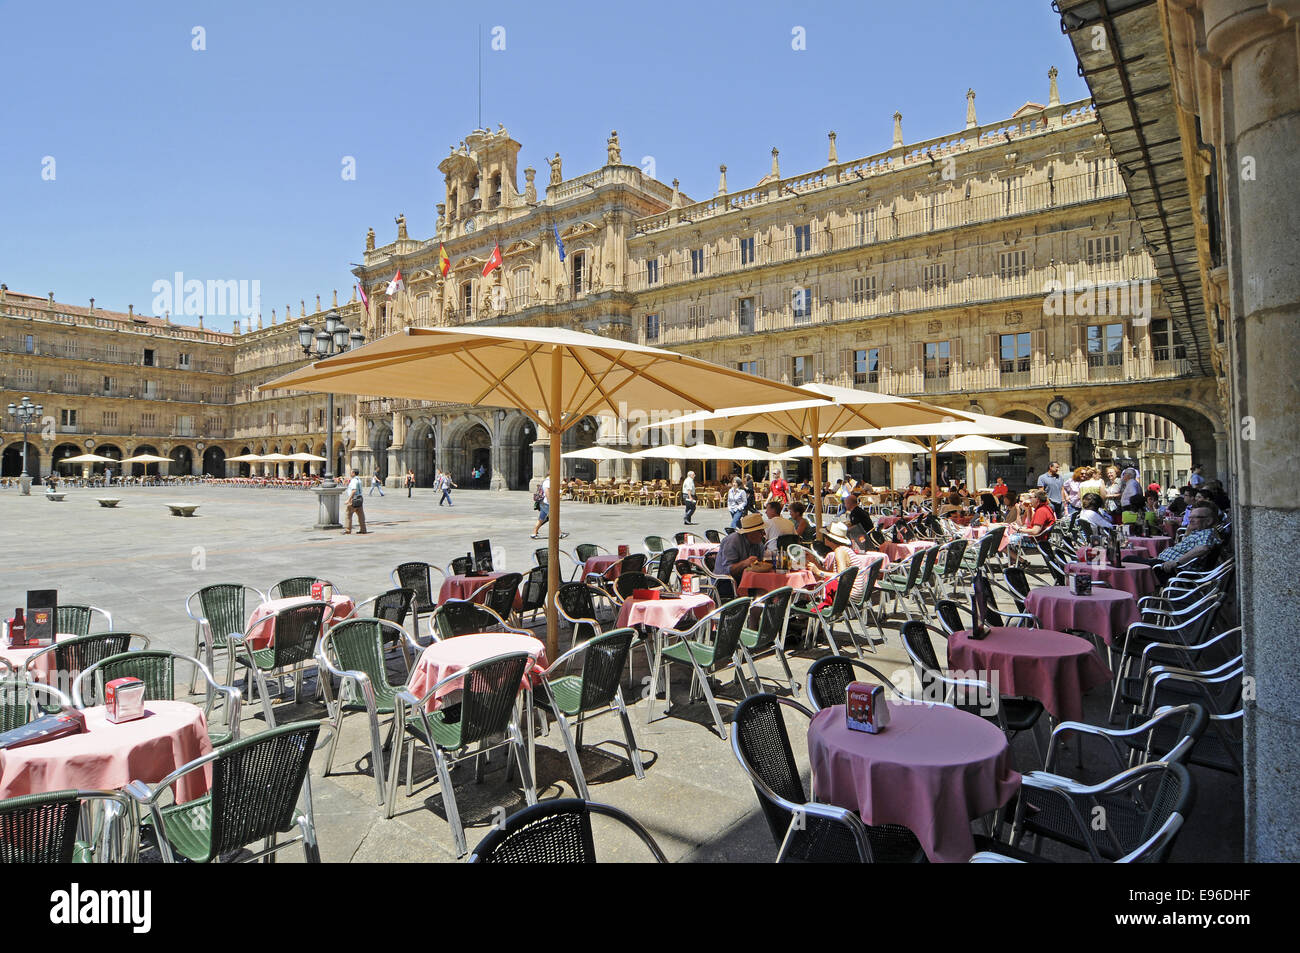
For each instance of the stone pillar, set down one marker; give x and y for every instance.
(900, 472)
(1221, 470)
(497, 481)
(977, 470)
(1247, 40)
(1060, 448)
(634, 469)
(541, 460)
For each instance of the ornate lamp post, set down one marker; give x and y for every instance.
(336, 338)
(26, 414)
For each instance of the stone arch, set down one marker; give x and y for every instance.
(113, 452)
(585, 433)
(517, 435)
(422, 450)
(214, 462)
(144, 469)
(182, 460)
(12, 465)
(61, 452)
(1200, 423)
(381, 438)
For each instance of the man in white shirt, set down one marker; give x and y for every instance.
(1091, 512)
(775, 527)
(355, 502)
(688, 496)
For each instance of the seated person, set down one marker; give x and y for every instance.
(1092, 513)
(856, 514)
(1038, 525)
(741, 549)
(1201, 539)
(776, 527)
(805, 529)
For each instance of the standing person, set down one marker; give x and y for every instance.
(1051, 482)
(1032, 480)
(445, 484)
(1111, 494)
(1196, 479)
(410, 482)
(355, 503)
(688, 496)
(376, 485)
(751, 505)
(737, 501)
(541, 502)
(778, 489)
(1070, 491)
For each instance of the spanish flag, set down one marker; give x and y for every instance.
(444, 262)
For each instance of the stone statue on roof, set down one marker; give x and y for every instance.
(557, 175)
(615, 153)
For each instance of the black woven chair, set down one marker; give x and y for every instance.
(830, 676)
(73, 619)
(261, 788)
(418, 577)
(542, 555)
(802, 830)
(683, 539)
(295, 587)
(457, 617)
(629, 582)
(573, 601)
(596, 688)
(1017, 585)
(554, 832)
(584, 551)
(713, 536)
(42, 829)
(488, 711)
(632, 562)
(533, 597)
(461, 566)
(296, 630)
(500, 594)
(664, 564)
(157, 669)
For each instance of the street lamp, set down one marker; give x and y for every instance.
(335, 339)
(27, 414)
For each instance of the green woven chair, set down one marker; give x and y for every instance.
(19, 703)
(488, 710)
(597, 688)
(395, 606)
(863, 608)
(42, 829)
(902, 583)
(353, 652)
(71, 656)
(261, 788)
(948, 566)
(825, 619)
(704, 658)
(769, 633)
(219, 611)
(295, 587)
(297, 629)
(157, 669)
(76, 619)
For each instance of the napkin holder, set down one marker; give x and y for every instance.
(865, 708)
(1080, 584)
(624, 550)
(124, 699)
(45, 728)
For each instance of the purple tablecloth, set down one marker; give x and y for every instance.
(934, 770)
(1107, 612)
(601, 564)
(1150, 545)
(1136, 578)
(1054, 667)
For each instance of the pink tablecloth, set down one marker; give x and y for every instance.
(1106, 612)
(43, 669)
(696, 551)
(450, 656)
(1136, 578)
(934, 770)
(601, 565)
(1086, 554)
(263, 636)
(976, 531)
(1054, 667)
(108, 756)
(664, 613)
(900, 551)
(1171, 527)
(1150, 545)
(767, 581)
(462, 587)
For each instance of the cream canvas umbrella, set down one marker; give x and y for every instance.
(246, 458)
(596, 453)
(554, 375)
(979, 444)
(147, 458)
(828, 450)
(822, 411)
(889, 447)
(301, 457)
(91, 458)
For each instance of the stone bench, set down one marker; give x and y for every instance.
(55, 497)
(108, 504)
(182, 509)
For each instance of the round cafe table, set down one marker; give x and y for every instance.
(1149, 545)
(109, 756)
(767, 581)
(696, 551)
(1055, 667)
(601, 565)
(462, 587)
(1104, 612)
(664, 613)
(933, 769)
(1134, 578)
(44, 667)
(900, 551)
(262, 636)
(445, 658)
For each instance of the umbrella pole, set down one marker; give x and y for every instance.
(817, 474)
(934, 475)
(553, 503)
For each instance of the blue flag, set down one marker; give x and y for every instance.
(559, 244)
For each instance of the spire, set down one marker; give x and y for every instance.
(722, 180)
(776, 163)
(336, 297)
(832, 157)
(677, 195)
(898, 129)
(1053, 94)
(970, 109)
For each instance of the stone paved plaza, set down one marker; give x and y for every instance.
(140, 563)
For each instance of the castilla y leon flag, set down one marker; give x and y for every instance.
(444, 261)
(493, 262)
(365, 301)
(395, 285)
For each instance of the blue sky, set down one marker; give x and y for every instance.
(226, 163)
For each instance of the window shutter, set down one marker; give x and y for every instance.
(992, 349)
(886, 370)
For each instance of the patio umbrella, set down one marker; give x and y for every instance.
(276, 458)
(596, 453)
(301, 457)
(554, 375)
(246, 458)
(819, 413)
(979, 444)
(90, 458)
(827, 450)
(146, 458)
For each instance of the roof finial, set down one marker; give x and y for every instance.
(970, 109)
(832, 157)
(898, 129)
(1053, 94)
(722, 180)
(776, 163)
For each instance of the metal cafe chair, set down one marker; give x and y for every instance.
(296, 630)
(43, 828)
(219, 611)
(704, 657)
(555, 832)
(70, 619)
(829, 678)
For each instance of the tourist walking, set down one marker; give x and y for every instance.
(737, 501)
(1051, 483)
(410, 482)
(376, 485)
(445, 485)
(355, 502)
(542, 503)
(688, 496)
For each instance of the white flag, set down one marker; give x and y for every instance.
(395, 285)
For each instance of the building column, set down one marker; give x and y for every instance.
(1060, 448)
(676, 471)
(900, 472)
(1261, 120)
(541, 461)
(1221, 471)
(977, 470)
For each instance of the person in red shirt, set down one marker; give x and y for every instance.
(1000, 489)
(1040, 522)
(778, 489)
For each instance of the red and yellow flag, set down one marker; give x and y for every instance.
(444, 262)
